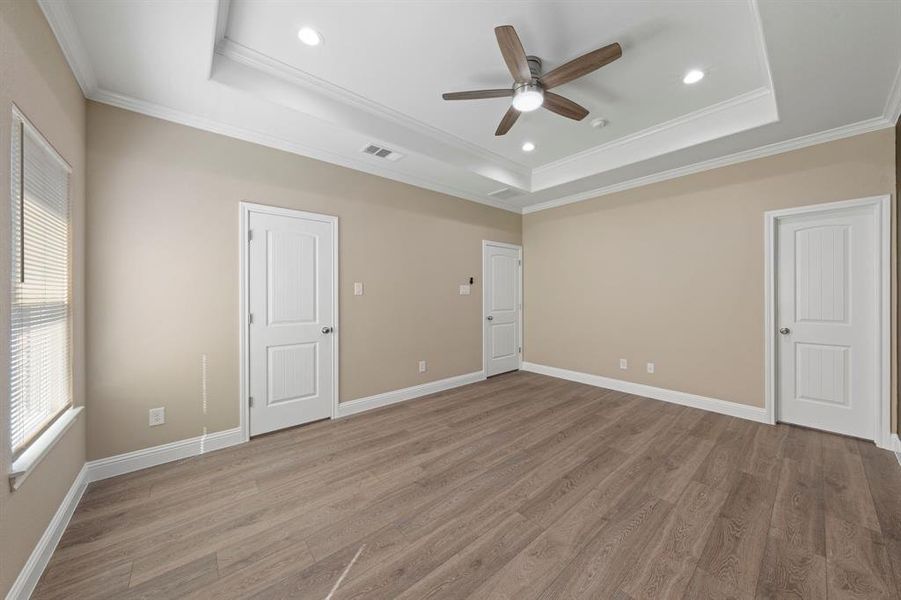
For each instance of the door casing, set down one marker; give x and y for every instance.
(881, 210)
(245, 209)
(485, 244)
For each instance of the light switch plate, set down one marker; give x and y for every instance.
(358, 288)
(157, 416)
(464, 289)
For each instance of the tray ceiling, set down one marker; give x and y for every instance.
(778, 75)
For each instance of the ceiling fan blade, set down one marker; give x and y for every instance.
(583, 65)
(564, 106)
(478, 94)
(507, 122)
(514, 55)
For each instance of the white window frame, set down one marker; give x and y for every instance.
(23, 465)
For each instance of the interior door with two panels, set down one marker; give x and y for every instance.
(826, 319)
(291, 334)
(502, 308)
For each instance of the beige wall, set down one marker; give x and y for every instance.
(163, 274)
(34, 76)
(672, 273)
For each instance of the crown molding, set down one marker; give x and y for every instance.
(797, 143)
(63, 26)
(213, 126)
(731, 116)
(761, 42)
(262, 62)
(892, 110)
(686, 119)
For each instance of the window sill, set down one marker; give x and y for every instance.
(25, 464)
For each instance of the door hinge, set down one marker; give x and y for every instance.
(250, 401)
(520, 262)
(520, 349)
(250, 319)
(250, 235)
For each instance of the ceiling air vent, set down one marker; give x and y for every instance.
(504, 193)
(380, 152)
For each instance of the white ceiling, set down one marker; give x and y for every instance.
(779, 75)
(405, 61)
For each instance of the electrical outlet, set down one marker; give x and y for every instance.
(422, 366)
(157, 416)
(358, 288)
(650, 367)
(623, 364)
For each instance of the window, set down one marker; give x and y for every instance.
(40, 362)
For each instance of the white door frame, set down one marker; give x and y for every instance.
(485, 244)
(881, 210)
(246, 208)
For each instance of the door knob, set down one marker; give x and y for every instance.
(327, 329)
(490, 317)
(785, 331)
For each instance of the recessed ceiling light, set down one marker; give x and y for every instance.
(528, 147)
(693, 76)
(309, 36)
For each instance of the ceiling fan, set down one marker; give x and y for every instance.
(529, 91)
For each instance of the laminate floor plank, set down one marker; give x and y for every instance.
(518, 487)
(789, 571)
(846, 488)
(735, 547)
(799, 509)
(665, 570)
(857, 562)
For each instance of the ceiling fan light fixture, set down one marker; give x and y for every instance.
(528, 97)
(309, 36)
(528, 147)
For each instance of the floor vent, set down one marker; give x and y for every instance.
(504, 193)
(380, 152)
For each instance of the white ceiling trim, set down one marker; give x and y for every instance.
(892, 109)
(262, 62)
(183, 118)
(63, 26)
(761, 43)
(743, 112)
(797, 143)
(746, 111)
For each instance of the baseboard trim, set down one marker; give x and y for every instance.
(359, 405)
(724, 407)
(894, 445)
(31, 573)
(158, 455)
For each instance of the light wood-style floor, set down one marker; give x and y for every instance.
(519, 487)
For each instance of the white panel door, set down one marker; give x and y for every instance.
(826, 319)
(502, 306)
(291, 287)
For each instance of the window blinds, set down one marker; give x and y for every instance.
(40, 374)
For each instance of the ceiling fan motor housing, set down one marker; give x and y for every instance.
(534, 66)
(529, 96)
